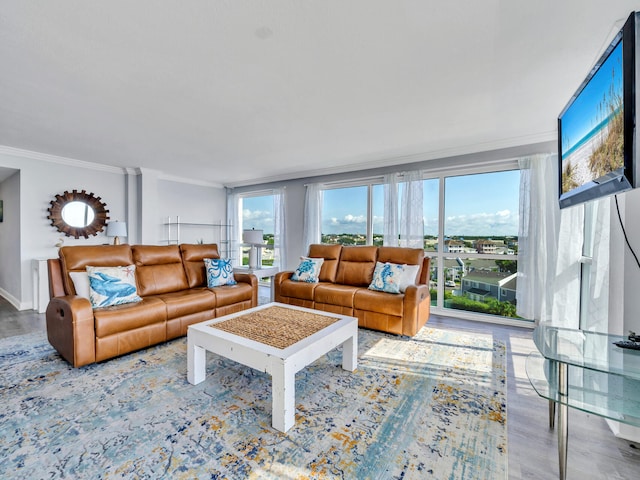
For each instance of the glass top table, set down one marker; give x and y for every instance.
(586, 371)
(590, 350)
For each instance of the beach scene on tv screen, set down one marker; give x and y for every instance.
(593, 127)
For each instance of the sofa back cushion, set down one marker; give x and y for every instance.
(402, 255)
(193, 256)
(76, 259)
(158, 269)
(357, 265)
(331, 255)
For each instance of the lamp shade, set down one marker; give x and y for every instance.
(117, 229)
(253, 236)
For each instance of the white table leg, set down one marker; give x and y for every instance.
(196, 363)
(350, 353)
(283, 385)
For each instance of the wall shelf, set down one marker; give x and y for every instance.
(178, 231)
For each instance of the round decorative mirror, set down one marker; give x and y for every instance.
(78, 214)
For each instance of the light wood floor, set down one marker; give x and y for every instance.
(594, 452)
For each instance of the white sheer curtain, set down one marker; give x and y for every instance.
(235, 226)
(538, 236)
(595, 314)
(550, 250)
(390, 237)
(411, 211)
(566, 277)
(279, 230)
(312, 226)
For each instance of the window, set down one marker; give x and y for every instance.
(345, 215)
(480, 215)
(471, 222)
(257, 213)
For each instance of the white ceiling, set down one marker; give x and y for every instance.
(237, 92)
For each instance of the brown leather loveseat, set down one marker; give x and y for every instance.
(171, 282)
(344, 277)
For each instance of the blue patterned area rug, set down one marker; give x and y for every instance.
(433, 406)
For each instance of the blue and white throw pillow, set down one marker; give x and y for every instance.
(308, 270)
(112, 285)
(219, 272)
(387, 277)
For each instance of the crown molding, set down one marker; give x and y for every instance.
(407, 159)
(190, 181)
(45, 157)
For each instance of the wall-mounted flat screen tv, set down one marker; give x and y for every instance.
(596, 130)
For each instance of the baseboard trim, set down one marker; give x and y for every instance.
(14, 301)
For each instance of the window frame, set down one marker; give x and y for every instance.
(438, 257)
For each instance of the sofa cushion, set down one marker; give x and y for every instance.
(301, 290)
(331, 255)
(112, 285)
(232, 294)
(188, 302)
(77, 257)
(122, 318)
(401, 255)
(159, 269)
(193, 256)
(308, 270)
(380, 302)
(219, 272)
(357, 265)
(335, 294)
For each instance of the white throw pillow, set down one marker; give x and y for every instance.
(408, 276)
(80, 283)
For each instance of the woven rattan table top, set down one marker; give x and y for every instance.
(278, 327)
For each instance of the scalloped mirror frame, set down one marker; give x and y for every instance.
(99, 208)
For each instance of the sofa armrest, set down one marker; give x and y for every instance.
(71, 330)
(282, 276)
(252, 280)
(249, 278)
(417, 306)
(277, 283)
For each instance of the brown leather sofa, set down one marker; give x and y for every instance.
(344, 278)
(171, 282)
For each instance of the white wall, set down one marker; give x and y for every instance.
(41, 177)
(10, 284)
(198, 207)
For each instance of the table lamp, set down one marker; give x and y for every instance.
(255, 239)
(116, 230)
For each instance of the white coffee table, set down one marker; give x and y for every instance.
(281, 363)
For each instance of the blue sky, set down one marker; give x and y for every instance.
(583, 114)
(484, 204)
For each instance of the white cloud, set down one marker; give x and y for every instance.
(500, 223)
(258, 219)
(347, 224)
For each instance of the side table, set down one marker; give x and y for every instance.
(261, 272)
(584, 370)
